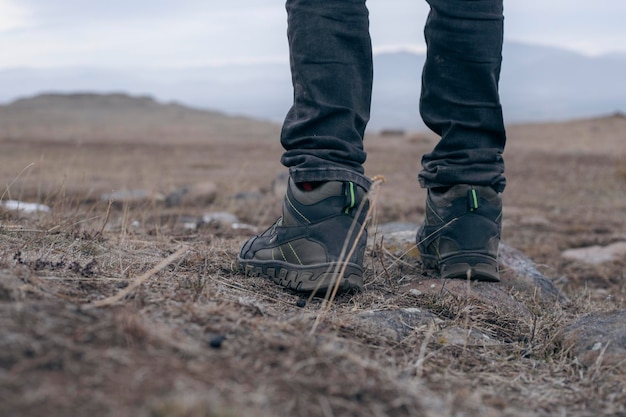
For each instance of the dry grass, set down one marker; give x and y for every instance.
(198, 339)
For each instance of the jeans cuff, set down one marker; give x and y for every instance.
(329, 174)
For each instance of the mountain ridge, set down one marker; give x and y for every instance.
(120, 117)
(538, 83)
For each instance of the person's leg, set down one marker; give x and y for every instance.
(331, 66)
(318, 240)
(460, 99)
(464, 172)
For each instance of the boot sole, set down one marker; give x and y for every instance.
(306, 278)
(476, 267)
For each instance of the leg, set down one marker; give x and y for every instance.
(464, 172)
(460, 100)
(317, 242)
(331, 66)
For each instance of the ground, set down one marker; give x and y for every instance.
(187, 335)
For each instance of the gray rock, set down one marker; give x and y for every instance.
(203, 193)
(189, 222)
(397, 237)
(519, 272)
(247, 195)
(597, 254)
(395, 324)
(597, 338)
(132, 196)
(395, 227)
(490, 305)
(457, 336)
(221, 217)
(24, 207)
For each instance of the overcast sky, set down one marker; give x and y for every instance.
(179, 33)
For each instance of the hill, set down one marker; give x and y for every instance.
(90, 117)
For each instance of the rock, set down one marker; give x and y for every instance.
(492, 313)
(394, 227)
(202, 194)
(488, 300)
(597, 254)
(131, 196)
(597, 337)
(246, 227)
(395, 324)
(457, 336)
(189, 222)
(247, 195)
(397, 237)
(221, 217)
(21, 206)
(519, 272)
(397, 243)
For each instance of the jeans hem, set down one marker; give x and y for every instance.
(329, 174)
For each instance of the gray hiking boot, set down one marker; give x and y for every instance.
(305, 249)
(461, 233)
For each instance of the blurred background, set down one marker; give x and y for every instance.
(563, 59)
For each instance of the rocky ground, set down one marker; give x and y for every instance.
(119, 294)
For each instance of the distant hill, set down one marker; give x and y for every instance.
(120, 117)
(537, 84)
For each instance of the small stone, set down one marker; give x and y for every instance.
(301, 302)
(458, 336)
(190, 225)
(217, 340)
(247, 195)
(597, 254)
(245, 226)
(203, 193)
(398, 238)
(131, 196)
(395, 324)
(16, 205)
(221, 217)
(597, 336)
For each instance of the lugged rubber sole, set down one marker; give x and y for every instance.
(476, 267)
(305, 278)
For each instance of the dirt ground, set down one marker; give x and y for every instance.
(188, 336)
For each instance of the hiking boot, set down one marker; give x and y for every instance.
(306, 248)
(461, 232)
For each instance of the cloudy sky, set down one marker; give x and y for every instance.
(169, 33)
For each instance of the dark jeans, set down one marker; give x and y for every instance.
(331, 66)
